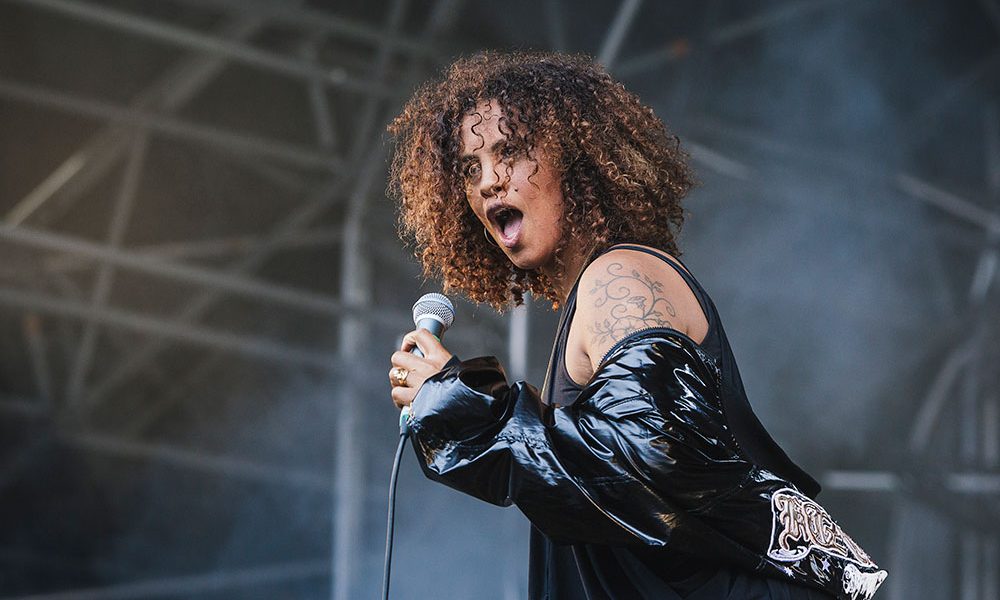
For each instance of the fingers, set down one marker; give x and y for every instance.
(432, 349)
(403, 377)
(409, 371)
(409, 361)
(428, 344)
(402, 396)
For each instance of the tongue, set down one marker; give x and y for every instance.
(512, 226)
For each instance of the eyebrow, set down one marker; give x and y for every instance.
(496, 146)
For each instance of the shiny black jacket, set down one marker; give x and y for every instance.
(643, 456)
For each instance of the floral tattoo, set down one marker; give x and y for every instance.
(637, 302)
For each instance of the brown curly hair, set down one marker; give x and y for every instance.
(622, 173)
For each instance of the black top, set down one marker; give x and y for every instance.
(592, 572)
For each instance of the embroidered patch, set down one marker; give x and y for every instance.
(861, 585)
(800, 525)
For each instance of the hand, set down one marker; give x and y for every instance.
(414, 369)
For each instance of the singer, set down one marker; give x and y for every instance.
(640, 464)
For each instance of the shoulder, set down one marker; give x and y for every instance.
(623, 291)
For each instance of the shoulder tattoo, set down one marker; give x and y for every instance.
(631, 301)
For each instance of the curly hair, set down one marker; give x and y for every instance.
(623, 174)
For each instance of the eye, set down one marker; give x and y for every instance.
(509, 151)
(471, 169)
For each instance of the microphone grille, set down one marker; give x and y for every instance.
(434, 304)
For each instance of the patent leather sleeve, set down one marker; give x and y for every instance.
(643, 456)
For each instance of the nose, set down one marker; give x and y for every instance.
(492, 183)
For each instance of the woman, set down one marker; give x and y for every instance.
(640, 464)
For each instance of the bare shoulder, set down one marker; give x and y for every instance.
(623, 291)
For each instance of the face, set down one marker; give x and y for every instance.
(519, 207)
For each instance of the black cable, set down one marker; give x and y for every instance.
(392, 510)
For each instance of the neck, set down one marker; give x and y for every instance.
(577, 254)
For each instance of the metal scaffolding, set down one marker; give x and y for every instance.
(343, 168)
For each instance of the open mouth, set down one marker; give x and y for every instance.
(507, 221)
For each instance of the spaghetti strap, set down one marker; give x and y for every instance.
(674, 262)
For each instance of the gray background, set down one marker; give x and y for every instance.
(200, 282)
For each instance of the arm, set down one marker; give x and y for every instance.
(643, 457)
(624, 291)
(644, 454)
(589, 472)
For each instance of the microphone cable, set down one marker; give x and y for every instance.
(435, 313)
(404, 433)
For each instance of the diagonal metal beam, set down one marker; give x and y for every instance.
(195, 40)
(199, 461)
(194, 250)
(369, 119)
(38, 354)
(169, 397)
(317, 203)
(952, 204)
(324, 22)
(91, 161)
(326, 134)
(288, 180)
(934, 402)
(765, 20)
(977, 412)
(989, 257)
(164, 329)
(763, 140)
(616, 32)
(720, 36)
(120, 341)
(209, 278)
(237, 245)
(718, 162)
(985, 272)
(105, 274)
(178, 390)
(170, 126)
(912, 186)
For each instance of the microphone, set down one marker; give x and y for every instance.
(435, 313)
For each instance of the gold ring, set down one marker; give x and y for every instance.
(399, 375)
